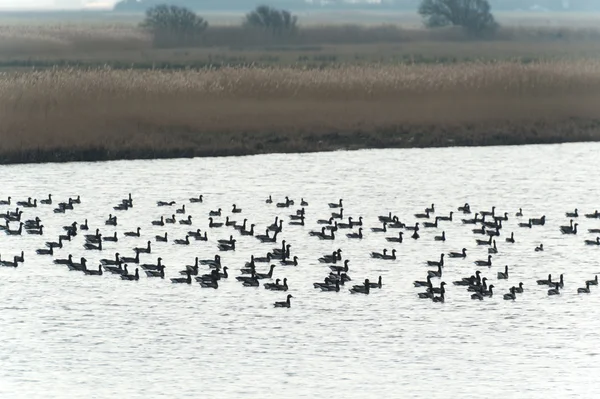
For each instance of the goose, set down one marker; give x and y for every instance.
(462, 254)
(229, 241)
(386, 219)
(585, 290)
(235, 209)
(475, 220)
(479, 286)
(122, 206)
(45, 251)
(325, 221)
(595, 231)
(92, 272)
(160, 222)
(84, 225)
(436, 263)
(333, 258)
(593, 282)
(446, 218)
(327, 282)
(227, 247)
(477, 295)
(293, 262)
(427, 294)
(155, 273)
(435, 273)
(348, 225)
(332, 228)
(145, 250)
(181, 211)
(422, 215)
(396, 224)
(112, 238)
(539, 248)
(192, 269)
(511, 239)
(261, 276)
(26, 204)
(378, 255)
(133, 233)
(247, 232)
(485, 242)
(215, 213)
(430, 210)
(569, 227)
(197, 199)
(539, 222)
(434, 290)
(157, 266)
(187, 221)
(131, 277)
(33, 224)
(271, 286)
(78, 266)
(93, 247)
(269, 200)
(484, 262)
(479, 231)
(17, 232)
(439, 299)
(214, 275)
(520, 213)
(501, 218)
(284, 304)
(440, 238)
(285, 204)
(116, 269)
(423, 283)
(545, 282)
(561, 282)
(510, 296)
(593, 242)
(312, 233)
(493, 249)
(213, 263)
(67, 261)
(336, 205)
(465, 282)
(528, 224)
(6, 201)
(224, 274)
(489, 292)
(14, 263)
(266, 237)
(39, 231)
(185, 241)
(595, 215)
(379, 229)
(574, 214)
(162, 238)
(132, 260)
(569, 231)
(361, 289)
(487, 213)
(60, 209)
(282, 287)
(230, 222)
(519, 289)
(195, 234)
(333, 287)
(170, 220)
(165, 203)
(331, 236)
(503, 276)
(389, 257)
(299, 215)
(341, 268)
(395, 239)
(283, 252)
(276, 227)
(555, 290)
(213, 225)
(413, 228)
(378, 284)
(466, 208)
(338, 215)
(202, 238)
(183, 280)
(111, 221)
(209, 284)
(244, 279)
(116, 261)
(431, 225)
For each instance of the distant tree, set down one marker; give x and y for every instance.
(271, 19)
(473, 15)
(173, 26)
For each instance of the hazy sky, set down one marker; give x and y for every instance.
(22, 4)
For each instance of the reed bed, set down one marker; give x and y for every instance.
(73, 114)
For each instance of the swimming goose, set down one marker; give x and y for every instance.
(45, 251)
(539, 248)
(593, 282)
(483, 293)
(227, 247)
(131, 277)
(465, 282)
(434, 290)
(160, 222)
(561, 282)
(93, 247)
(215, 213)
(303, 203)
(466, 208)
(133, 233)
(312, 233)
(67, 261)
(37, 231)
(78, 266)
(161, 238)
(327, 282)
(185, 241)
(336, 205)
(528, 224)
(338, 215)
(285, 204)
(446, 218)
(427, 283)
(475, 220)
(333, 258)
(155, 273)
(271, 286)
(181, 211)
(386, 219)
(247, 232)
(348, 225)
(28, 203)
(269, 200)
(358, 235)
(122, 206)
(332, 228)
(495, 224)
(276, 227)
(33, 224)
(485, 242)
(593, 242)
(230, 222)
(187, 221)
(293, 262)
(396, 239)
(285, 304)
(334, 286)
(569, 231)
(282, 287)
(503, 276)
(519, 289)
(435, 273)
(462, 254)
(361, 289)
(145, 250)
(213, 224)
(573, 214)
(341, 268)
(7, 263)
(493, 249)
(157, 266)
(395, 223)
(131, 260)
(281, 253)
(501, 218)
(585, 290)
(196, 200)
(389, 257)
(213, 263)
(545, 282)
(436, 263)
(261, 276)
(244, 279)
(241, 227)
(112, 238)
(431, 225)
(84, 225)
(165, 203)
(171, 220)
(422, 215)
(511, 295)
(440, 238)
(439, 299)
(209, 284)
(520, 213)
(115, 261)
(412, 228)
(92, 272)
(111, 221)
(511, 239)
(486, 213)
(539, 222)
(555, 290)
(484, 262)
(5, 202)
(427, 294)
(430, 210)
(17, 232)
(325, 221)
(183, 280)
(479, 231)
(214, 275)
(235, 209)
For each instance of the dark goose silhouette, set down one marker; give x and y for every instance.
(183, 280)
(133, 233)
(131, 277)
(91, 272)
(585, 290)
(503, 276)
(462, 254)
(284, 304)
(361, 289)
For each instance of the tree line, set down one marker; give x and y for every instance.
(172, 25)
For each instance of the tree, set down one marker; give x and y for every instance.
(173, 26)
(271, 19)
(473, 15)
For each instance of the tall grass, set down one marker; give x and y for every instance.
(252, 110)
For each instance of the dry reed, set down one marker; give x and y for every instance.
(73, 114)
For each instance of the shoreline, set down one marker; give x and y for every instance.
(270, 143)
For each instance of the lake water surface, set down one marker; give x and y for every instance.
(67, 335)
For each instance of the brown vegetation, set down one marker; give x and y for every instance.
(71, 114)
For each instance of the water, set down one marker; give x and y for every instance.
(63, 334)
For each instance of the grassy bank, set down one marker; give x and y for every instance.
(98, 114)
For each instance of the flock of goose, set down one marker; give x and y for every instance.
(487, 226)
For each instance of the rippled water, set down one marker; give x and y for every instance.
(63, 334)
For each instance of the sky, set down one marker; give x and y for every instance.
(54, 4)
